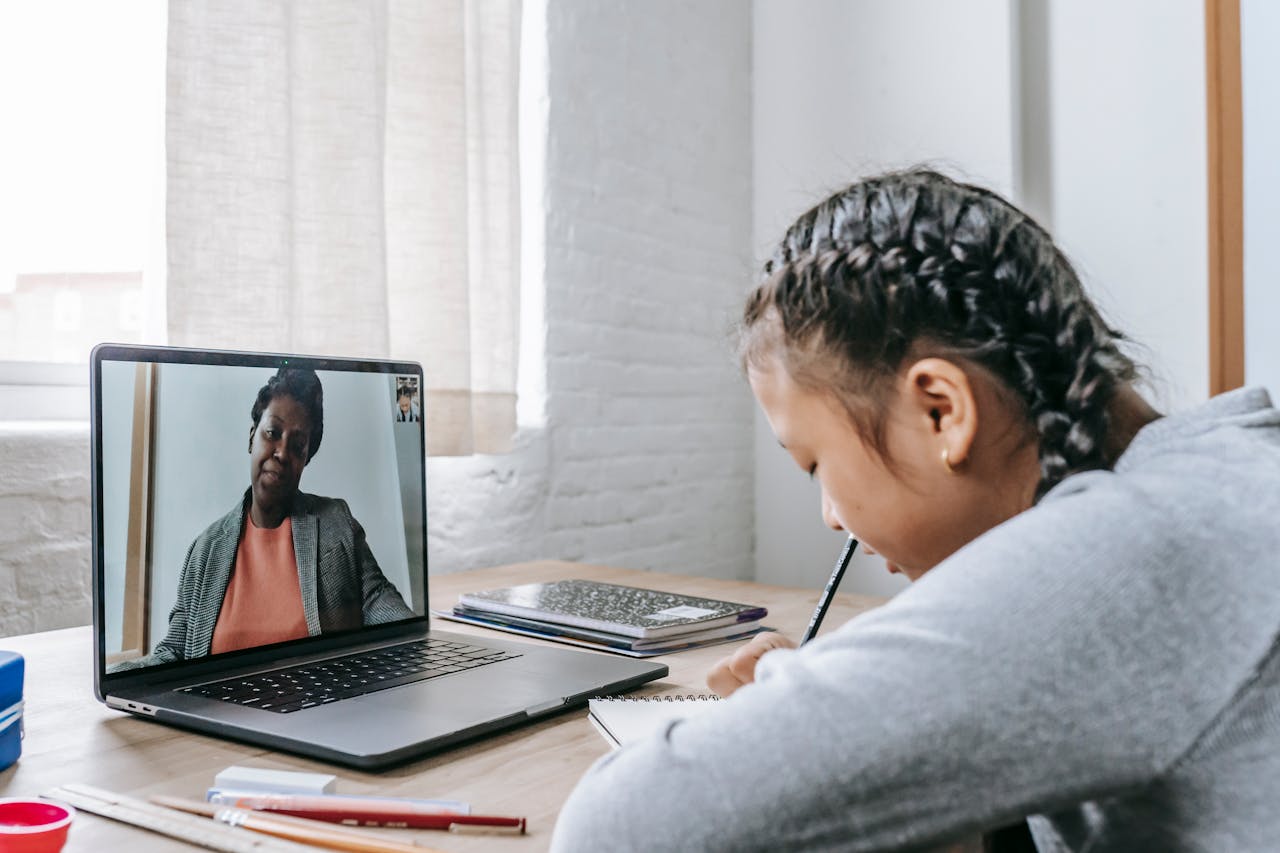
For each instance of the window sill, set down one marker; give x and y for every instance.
(44, 392)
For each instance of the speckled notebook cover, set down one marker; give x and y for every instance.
(626, 610)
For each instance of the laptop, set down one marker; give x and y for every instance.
(260, 563)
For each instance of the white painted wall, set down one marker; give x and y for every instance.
(849, 89)
(1260, 66)
(1126, 162)
(1090, 113)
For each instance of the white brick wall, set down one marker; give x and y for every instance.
(648, 256)
(44, 526)
(645, 460)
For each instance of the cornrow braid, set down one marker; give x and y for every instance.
(914, 263)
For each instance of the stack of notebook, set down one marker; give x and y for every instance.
(624, 620)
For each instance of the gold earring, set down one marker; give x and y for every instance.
(946, 460)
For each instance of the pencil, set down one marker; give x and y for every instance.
(824, 600)
(296, 828)
(368, 811)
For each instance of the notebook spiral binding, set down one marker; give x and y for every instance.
(666, 697)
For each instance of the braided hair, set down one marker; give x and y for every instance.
(912, 263)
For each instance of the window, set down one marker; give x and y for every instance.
(82, 86)
(330, 178)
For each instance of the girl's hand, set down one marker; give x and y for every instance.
(739, 668)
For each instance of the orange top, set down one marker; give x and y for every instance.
(263, 603)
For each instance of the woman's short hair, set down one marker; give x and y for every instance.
(303, 385)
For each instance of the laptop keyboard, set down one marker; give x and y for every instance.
(293, 689)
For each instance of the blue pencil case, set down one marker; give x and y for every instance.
(11, 668)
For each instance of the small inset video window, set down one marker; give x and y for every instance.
(408, 403)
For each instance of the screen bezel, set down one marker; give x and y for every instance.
(230, 358)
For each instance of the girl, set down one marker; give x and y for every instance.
(1092, 640)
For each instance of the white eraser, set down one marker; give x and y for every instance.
(237, 778)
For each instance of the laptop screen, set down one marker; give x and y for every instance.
(247, 500)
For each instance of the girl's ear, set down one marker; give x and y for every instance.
(940, 398)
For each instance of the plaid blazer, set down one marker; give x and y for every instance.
(342, 586)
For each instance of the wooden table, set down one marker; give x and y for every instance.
(71, 737)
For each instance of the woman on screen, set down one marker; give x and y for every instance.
(282, 564)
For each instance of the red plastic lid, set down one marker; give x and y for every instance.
(26, 817)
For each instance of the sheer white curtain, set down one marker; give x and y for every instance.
(342, 179)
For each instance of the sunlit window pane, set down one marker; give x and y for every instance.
(81, 95)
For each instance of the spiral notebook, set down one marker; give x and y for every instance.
(624, 719)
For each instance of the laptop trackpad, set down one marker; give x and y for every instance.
(488, 693)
